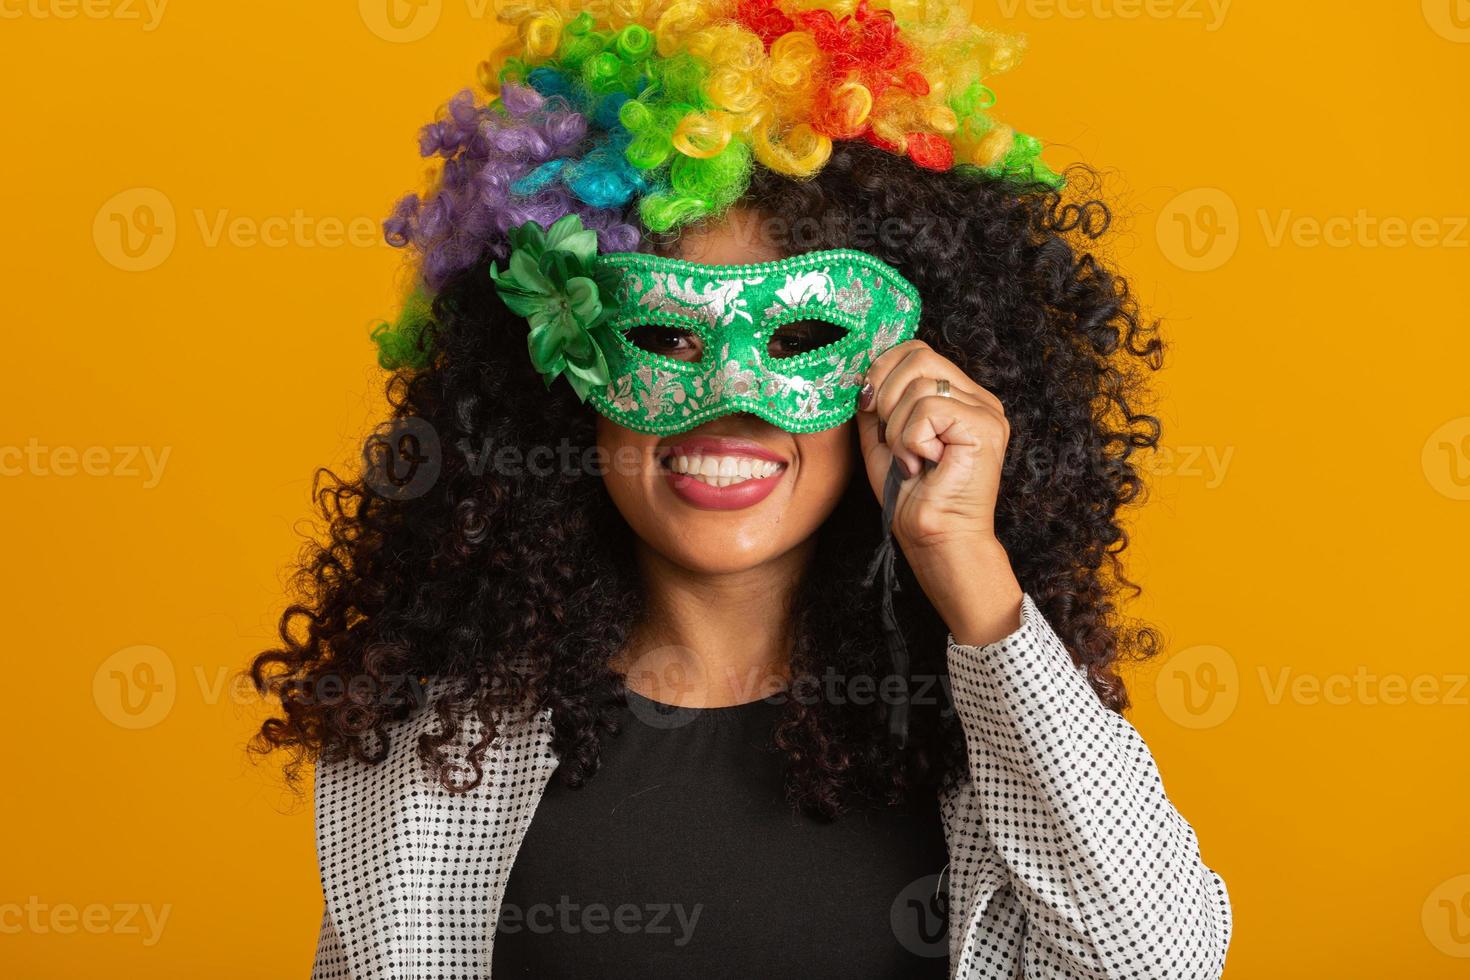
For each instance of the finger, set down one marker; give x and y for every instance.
(875, 452)
(958, 476)
(919, 393)
(882, 367)
(974, 452)
(919, 364)
(885, 362)
(935, 424)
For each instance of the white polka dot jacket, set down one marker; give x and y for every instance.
(1067, 860)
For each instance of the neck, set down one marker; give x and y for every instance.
(713, 639)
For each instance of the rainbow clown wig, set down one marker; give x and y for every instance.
(643, 115)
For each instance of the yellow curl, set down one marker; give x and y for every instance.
(793, 59)
(622, 13)
(736, 60)
(676, 23)
(541, 34)
(899, 112)
(993, 146)
(800, 152)
(892, 134)
(488, 71)
(702, 134)
(852, 103)
(939, 119)
(729, 45)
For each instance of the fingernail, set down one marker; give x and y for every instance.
(882, 430)
(908, 470)
(865, 396)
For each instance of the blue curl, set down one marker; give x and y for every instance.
(538, 179)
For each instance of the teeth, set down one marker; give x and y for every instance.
(722, 471)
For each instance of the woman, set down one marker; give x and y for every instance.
(762, 620)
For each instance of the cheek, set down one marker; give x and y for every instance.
(828, 459)
(624, 456)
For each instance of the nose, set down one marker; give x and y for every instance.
(737, 424)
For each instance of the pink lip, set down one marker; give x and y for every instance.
(697, 493)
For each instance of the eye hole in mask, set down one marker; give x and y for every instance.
(666, 341)
(803, 337)
(787, 340)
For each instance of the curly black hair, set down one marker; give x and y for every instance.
(516, 583)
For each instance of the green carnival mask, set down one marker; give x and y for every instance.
(581, 305)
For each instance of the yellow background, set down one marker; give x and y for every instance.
(1305, 550)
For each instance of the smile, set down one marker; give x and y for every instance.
(722, 471)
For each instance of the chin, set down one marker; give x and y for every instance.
(710, 552)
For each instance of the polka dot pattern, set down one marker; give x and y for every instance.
(1067, 860)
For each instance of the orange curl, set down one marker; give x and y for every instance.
(842, 113)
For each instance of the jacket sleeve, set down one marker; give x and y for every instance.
(1105, 871)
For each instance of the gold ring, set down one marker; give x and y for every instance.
(942, 386)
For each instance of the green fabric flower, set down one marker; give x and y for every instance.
(553, 280)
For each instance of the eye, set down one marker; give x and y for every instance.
(801, 336)
(666, 341)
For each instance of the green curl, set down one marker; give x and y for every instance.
(580, 42)
(634, 43)
(404, 342)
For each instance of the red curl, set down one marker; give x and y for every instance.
(763, 19)
(930, 151)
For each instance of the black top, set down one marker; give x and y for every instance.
(682, 858)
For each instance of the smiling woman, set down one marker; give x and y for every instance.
(668, 681)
